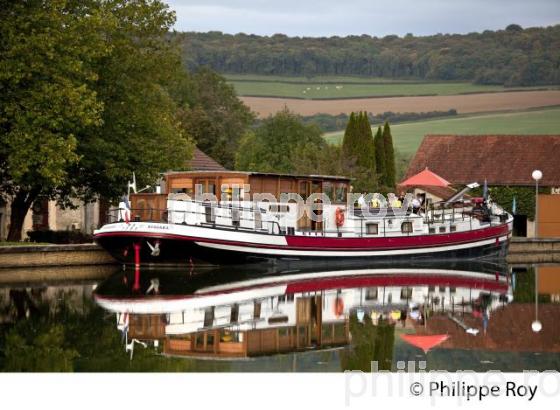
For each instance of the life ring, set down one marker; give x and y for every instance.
(338, 306)
(339, 217)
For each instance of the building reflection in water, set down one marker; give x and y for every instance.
(250, 313)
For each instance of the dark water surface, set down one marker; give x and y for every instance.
(252, 318)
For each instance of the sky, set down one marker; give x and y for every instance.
(355, 17)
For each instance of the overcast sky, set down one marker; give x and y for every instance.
(373, 17)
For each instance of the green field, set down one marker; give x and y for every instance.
(349, 87)
(407, 136)
(317, 80)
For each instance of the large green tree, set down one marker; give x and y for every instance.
(277, 143)
(212, 114)
(141, 128)
(85, 99)
(46, 96)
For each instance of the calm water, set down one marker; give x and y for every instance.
(280, 318)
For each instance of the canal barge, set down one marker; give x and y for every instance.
(237, 217)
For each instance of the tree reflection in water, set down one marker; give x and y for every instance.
(369, 343)
(56, 336)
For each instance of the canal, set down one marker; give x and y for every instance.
(281, 319)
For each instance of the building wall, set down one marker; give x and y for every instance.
(549, 216)
(84, 218)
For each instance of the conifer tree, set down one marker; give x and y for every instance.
(389, 156)
(358, 146)
(349, 141)
(379, 154)
(368, 152)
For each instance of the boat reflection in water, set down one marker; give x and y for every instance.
(242, 312)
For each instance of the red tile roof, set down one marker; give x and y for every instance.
(202, 162)
(500, 159)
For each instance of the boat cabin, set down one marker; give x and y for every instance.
(222, 184)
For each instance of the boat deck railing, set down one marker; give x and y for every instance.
(252, 216)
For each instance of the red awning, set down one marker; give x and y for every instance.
(424, 342)
(426, 178)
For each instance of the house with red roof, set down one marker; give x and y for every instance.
(506, 163)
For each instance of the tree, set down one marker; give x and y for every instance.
(514, 28)
(38, 349)
(85, 100)
(273, 145)
(350, 140)
(389, 171)
(212, 114)
(379, 153)
(47, 97)
(358, 145)
(141, 122)
(370, 343)
(366, 156)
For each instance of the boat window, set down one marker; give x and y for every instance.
(283, 332)
(209, 340)
(328, 190)
(371, 294)
(206, 186)
(341, 191)
(452, 228)
(209, 316)
(199, 341)
(406, 227)
(256, 310)
(278, 319)
(372, 229)
(304, 189)
(406, 293)
(234, 313)
(278, 208)
(442, 229)
(432, 229)
(316, 187)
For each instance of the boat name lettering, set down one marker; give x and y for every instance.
(158, 227)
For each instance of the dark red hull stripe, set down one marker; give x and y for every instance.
(311, 285)
(357, 282)
(344, 244)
